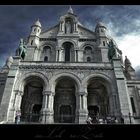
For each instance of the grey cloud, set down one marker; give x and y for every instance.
(15, 21)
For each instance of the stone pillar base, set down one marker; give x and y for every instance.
(11, 116)
(127, 120)
(83, 114)
(47, 117)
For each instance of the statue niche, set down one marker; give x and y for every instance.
(68, 27)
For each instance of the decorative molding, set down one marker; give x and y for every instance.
(65, 67)
(86, 39)
(47, 92)
(47, 39)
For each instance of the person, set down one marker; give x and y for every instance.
(116, 120)
(122, 120)
(101, 121)
(17, 118)
(89, 120)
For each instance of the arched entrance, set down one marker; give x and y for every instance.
(65, 101)
(32, 100)
(98, 99)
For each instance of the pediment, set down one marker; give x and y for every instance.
(85, 32)
(52, 32)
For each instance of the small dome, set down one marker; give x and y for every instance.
(100, 24)
(70, 10)
(37, 23)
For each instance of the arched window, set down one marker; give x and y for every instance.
(47, 49)
(46, 59)
(88, 50)
(32, 42)
(34, 29)
(88, 59)
(67, 53)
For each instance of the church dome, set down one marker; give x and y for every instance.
(37, 23)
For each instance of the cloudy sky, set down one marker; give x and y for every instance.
(122, 22)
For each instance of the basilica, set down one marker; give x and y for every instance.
(67, 73)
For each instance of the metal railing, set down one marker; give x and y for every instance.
(108, 119)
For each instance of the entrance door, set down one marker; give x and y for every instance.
(65, 114)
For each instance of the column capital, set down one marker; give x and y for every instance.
(18, 92)
(83, 93)
(46, 92)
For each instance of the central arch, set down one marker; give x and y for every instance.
(65, 100)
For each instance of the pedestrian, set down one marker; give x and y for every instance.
(116, 120)
(122, 120)
(17, 118)
(89, 120)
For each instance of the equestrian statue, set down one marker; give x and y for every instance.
(21, 50)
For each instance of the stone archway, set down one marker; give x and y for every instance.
(98, 97)
(65, 100)
(31, 102)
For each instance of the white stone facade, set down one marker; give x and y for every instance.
(65, 72)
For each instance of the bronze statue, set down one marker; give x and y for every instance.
(111, 50)
(21, 50)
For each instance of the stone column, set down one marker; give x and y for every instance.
(14, 106)
(57, 55)
(61, 55)
(19, 95)
(47, 107)
(83, 112)
(76, 27)
(63, 26)
(75, 55)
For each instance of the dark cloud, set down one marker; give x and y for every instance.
(15, 21)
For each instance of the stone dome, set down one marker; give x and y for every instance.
(37, 23)
(100, 24)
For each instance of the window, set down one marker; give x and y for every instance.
(103, 43)
(47, 49)
(102, 30)
(46, 58)
(32, 42)
(88, 50)
(67, 53)
(88, 59)
(133, 105)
